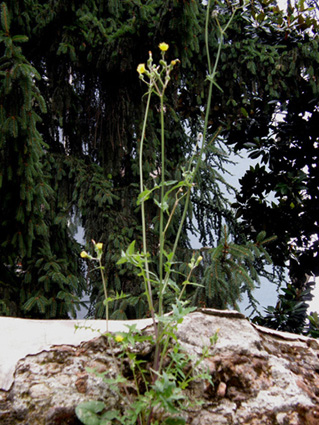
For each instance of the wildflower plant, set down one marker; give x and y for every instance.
(160, 396)
(98, 248)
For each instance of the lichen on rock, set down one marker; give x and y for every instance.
(260, 377)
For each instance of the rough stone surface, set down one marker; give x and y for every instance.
(25, 336)
(261, 377)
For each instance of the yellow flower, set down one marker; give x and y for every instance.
(119, 338)
(163, 47)
(84, 254)
(141, 68)
(99, 246)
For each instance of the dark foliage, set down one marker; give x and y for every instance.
(290, 313)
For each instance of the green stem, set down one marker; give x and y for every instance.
(148, 287)
(164, 352)
(158, 350)
(105, 296)
(160, 307)
(187, 280)
(173, 212)
(206, 38)
(208, 106)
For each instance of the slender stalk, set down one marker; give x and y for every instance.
(148, 287)
(187, 280)
(210, 88)
(209, 99)
(212, 74)
(105, 295)
(158, 350)
(163, 354)
(206, 38)
(160, 307)
(173, 211)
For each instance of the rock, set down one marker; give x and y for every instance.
(261, 377)
(24, 336)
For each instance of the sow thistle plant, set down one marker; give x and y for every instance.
(159, 395)
(160, 398)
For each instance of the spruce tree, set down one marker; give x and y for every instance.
(36, 278)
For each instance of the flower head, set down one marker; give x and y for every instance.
(141, 68)
(84, 254)
(99, 246)
(163, 47)
(119, 338)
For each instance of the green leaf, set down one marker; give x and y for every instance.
(109, 416)
(211, 78)
(5, 17)
(244, 112)
(219, 88)
(87, 412)
(261, 236)
(131, 249)
(162, 205)
(20, 38)
(145, 195)
(172, 284)
(254, 155)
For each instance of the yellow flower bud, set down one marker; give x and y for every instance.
(174, 62)
(119, 338)
(199, 259)
(163, 47)
(99, 246)
(84, 254)
(141, 68)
